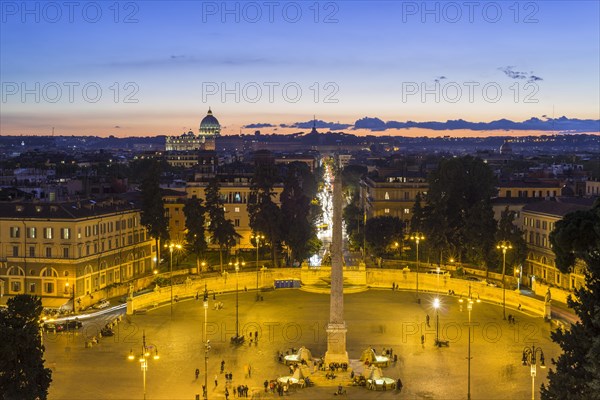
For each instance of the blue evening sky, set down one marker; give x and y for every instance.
(160, 65)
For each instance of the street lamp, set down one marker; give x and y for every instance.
(143, 358)
(504, 245)
(417, 237)
(206, 344)
(237, 338)
(529, 358)
(171, 247)
(72, 292)
(470, 302)
(436, 305)
(257, 238)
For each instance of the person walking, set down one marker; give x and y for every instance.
(427, 320)
(226, 394)
(197, 373)
(216, 381)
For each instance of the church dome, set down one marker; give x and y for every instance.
(505, 148)
(209, 126)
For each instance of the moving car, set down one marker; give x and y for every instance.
(52, 327)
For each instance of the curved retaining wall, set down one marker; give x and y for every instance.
(373, 278)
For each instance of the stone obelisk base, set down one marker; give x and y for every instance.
(336, 344)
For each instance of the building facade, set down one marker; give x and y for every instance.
(393, 195)
(537, 222)
(66, 251)
(208, 131)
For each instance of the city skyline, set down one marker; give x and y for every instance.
(146, 69)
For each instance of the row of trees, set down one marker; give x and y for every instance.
(455, 215)
(289, 226)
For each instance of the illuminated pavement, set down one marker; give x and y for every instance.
(289, 318)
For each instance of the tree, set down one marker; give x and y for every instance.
(382, 232)
(507, 230)
(416, 221)
(194, 222)
(297, 231)
(22, 372)
(577, 375)
(458, 216)
(265, 215)
(153, 211)
(221, 229)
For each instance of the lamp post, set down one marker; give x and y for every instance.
(143, 358)
(206, 344)
(529, 358)
(504, 245)
(172, 246)
(470, 302)
(436, 305)
(257, 238)
(237, 264)
(417, 237)
(71, 290)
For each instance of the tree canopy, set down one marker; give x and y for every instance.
(22, 372)
(577, 369)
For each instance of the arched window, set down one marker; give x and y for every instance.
(16, 271)
(387, 196)
(49, 272)
(88, 270)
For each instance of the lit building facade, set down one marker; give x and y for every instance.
(393, 195)
(537, 222)
(209, 130)
(74, 250)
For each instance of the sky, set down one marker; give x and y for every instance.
(150, 68)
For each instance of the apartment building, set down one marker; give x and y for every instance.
(393, 195)
(66, 251)
(537, 222)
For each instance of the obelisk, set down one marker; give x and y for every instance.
(336, 329)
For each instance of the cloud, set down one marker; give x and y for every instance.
(319, 124)
(439, 78)
(512, 74)
(117, 127)
(259, 125)
(549, 124)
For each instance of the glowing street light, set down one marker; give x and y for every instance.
(417, 237)
(257, 238)
(529, 358)
(504, 245)
(143, 358)
(237, 338)
(436, 305)
(171, 247)
(470, 302)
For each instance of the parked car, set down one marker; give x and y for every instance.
(102, 304)
(107, 331)
(52, 327)
(72, 324)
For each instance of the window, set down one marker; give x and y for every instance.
(48, 252)
(237, 222)
(508, 194)
(15, 251)
(31, 251)
(49, 287)
(407, 211)
(65, 233)
(544, 225)
(66, 252)
(237, 209)
(88, 231)
(15, 286)
(31, 233)
(15, 232)
(387, 196)
(48, 233)
(387, 211)
(32, 288)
